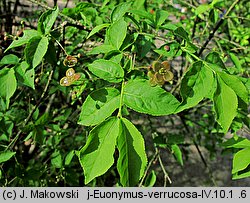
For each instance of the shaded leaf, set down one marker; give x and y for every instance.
(56, 159)
(143, 45)
(236, 142)
(24, 75)
(151, 179)
(181, 33)
(214, 58)
(195, 85)
(132, 157)
(46, 20)
(69, 157)
(35, 50)
(8, 84)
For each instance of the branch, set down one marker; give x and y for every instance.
(148, 167)
(61, 14)
(218, 24)
(199, 151)
(166, 176)
(12, 143)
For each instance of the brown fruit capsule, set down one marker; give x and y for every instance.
(70, 61)
(70, 77)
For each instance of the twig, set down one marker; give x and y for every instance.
(53, 96)
(218, 24)
(194, 27)
(157, 151)
(12, 143)
(166, 176)
(231, 42)
(199, 151)
(238, 17)
(155, 156)
(65, 52)
(187, 4)
(61, 14)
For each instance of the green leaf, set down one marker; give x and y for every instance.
(102, 49)
(46, 20)
(128, 41)
(213, 15)
(97, 29)
(241, 160)
(143, 14)
(190, 47)
(143, 45)
(8, 84)
(114, 56)
(202, 9)
(56, 159)
(5, 156)
(107, 70)
(24, 75)
(117, 33)
(132, 157)
(140, 96)
(9, 59)
(96, 157)
(225, 104)
(69, 157)
(51, 53)
(181, 33)
(174, 50)
(150, 180)
(177, 153)
(27, 35)
(236, 61)
(171, 139)
(160, 17)
(139, 4)
(195, 85)
(120, 10)
(241, 174)
(35, 50)
(43, 120)
(99, 105)
(169, 26)
(236, 84)
(236, 142)
(214, 58)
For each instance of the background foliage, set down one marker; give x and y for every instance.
(99, 93)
